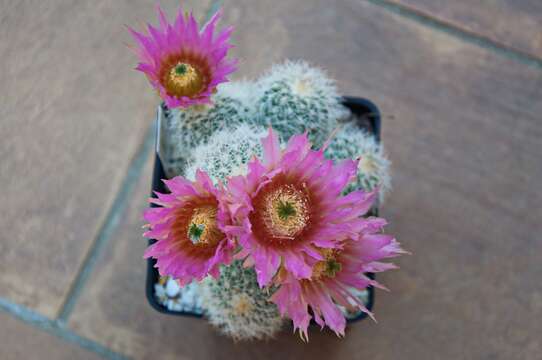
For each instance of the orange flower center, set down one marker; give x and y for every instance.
(184, 74)
(286, 212)
(283, 213)
(202, 228)
(195, 228)
(184, 79)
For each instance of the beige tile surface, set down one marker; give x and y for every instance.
(73, 113)
(21, 341)
(465, 143)
(513, 23)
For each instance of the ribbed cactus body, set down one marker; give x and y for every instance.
(227, 152)
(236, 305)
(295, 97)
(188, 128)
(351, 142)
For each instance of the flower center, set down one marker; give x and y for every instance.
(202, 227)
(286, 212)
(329, 267)
(183, 79)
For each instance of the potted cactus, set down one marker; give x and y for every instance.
(265, 192)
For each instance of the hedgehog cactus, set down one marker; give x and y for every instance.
(236, 305)
(190, 128)
(351, 142)
(255, 228)
(294, 97)
(222, 138)
(227, 152)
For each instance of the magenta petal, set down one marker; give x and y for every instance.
(266, 265)
(271, 149)
(295, 264)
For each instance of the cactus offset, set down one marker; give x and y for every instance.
(236, 305)
(351, 142)
(189, 128)
(294, 97)
(227, 152)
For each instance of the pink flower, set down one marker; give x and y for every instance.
(183, 63)
(189, 231)
(333, 277)
(290, 207)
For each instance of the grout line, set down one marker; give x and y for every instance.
(57, 329)
(111, 222)
(458, 32)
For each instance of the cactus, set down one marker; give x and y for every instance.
(188, 128)
(222, 138)
(227, 152)
(242, 91)
(237, 306)
(351, 142)
(294, 97)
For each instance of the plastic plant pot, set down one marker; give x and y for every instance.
(368, 117)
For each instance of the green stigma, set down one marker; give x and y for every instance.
(285, 210)
(332, 268)
(181, 69)
(195, 231)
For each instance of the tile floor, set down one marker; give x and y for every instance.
(460, 87)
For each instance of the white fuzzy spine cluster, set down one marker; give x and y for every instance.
(295, 97)
(351, 142)
(236, 305)
(188, 128)
(227, 152)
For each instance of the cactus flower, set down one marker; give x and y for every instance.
(290, 206)
(183, 63)
(333, 279)
(188, 227)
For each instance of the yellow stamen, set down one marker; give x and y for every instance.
(286, 212)
(183, 79)
(202, 228)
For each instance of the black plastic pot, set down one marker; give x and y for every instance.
(368, 117)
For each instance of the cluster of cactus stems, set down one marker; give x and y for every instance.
(221, 139)
(237, 306)
(188, 129)
(227, 152)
